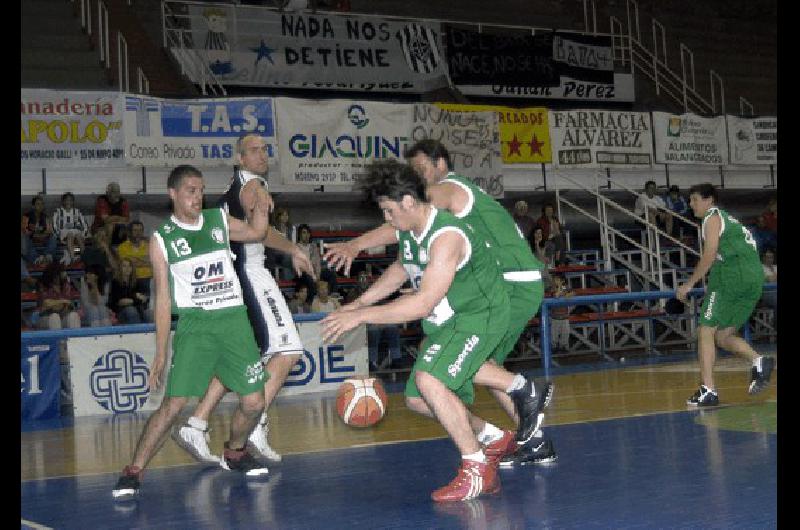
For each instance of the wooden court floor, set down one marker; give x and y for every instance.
(91, 452)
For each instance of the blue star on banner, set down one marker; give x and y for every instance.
(263, 51)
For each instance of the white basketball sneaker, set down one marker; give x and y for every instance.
(258, 441)
(195, 441)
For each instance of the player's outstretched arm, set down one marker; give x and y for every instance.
(340, 256)
(163, 304)
(446, 253)
(711, 237)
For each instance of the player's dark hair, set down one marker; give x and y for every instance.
(705, 190)
(433, 149)
(177, 175)
(653, 182)
(392, 180)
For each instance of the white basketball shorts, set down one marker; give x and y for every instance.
(273, 325)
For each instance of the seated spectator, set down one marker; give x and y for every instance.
(524, 221)
(127, 302)
(56, 310)
(653, 204)
(769, 298)
(100, 253)
(37, 230)
(298, 304)
(559, 321)
(94, 298)
(323, 303)
(312, 251)
(70, 227)
(678, 204)
(137, 249)
(28, 282)
(767, 233)
(111, 213)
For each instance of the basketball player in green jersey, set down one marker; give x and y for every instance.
(734, 287)
(521, 271)
(460, 295)
(195, 279)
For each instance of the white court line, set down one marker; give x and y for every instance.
(34, 526)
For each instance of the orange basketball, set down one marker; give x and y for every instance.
(361, 401)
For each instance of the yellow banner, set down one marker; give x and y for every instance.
(524, 133)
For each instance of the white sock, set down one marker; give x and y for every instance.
(197, 423)
(489, 434)
(516, 384)
(264, 418)
(475, 457)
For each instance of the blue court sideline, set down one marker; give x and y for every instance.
(662, 471)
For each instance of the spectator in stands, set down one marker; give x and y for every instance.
(678, 204)
(124, 298)
(769, 298)
(28, 282)
(767, 233)
(545, 251)
(282, 224)
(559, 316)
(70, 227)
(299, 302)
(56, 310)
(112, 214)
(552, 230)
(524, 221)
(137, 249)
(37, 231)
(651, 202)
(323, 303)
(100, 253)
(94, 297)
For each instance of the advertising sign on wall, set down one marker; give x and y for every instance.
(109, 374)
(70, 129)
(753, 140)
(689, 139)
(41, 379)
(601, 138)
(331, 142)
(200, 132)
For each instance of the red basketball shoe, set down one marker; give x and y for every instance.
(473, 479)
(504, 446)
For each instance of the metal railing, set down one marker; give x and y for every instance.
(549, 303)
(652, 62)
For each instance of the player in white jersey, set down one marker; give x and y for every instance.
(273, 325)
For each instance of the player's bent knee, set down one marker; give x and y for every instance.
(252, 403)
(417, 404)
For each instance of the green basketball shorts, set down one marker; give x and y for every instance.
(729, 305)
(525, 298)
(453, 357)
(209, 343)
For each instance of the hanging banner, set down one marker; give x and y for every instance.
(689, 139)
(200, 132)
(601, 138)
(753, 141)
(622, 89)
(41, 379)
(61, 129)
(472, 139)
(109, 374)
(584, 57)
(259, 47)
(478, 58)
(331, 142)
(524, 133)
